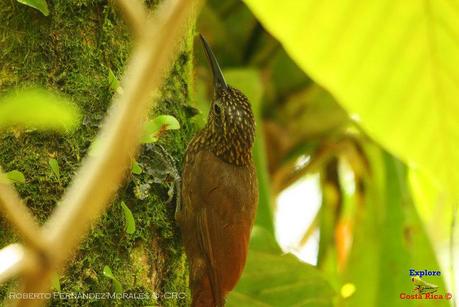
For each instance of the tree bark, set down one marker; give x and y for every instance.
(71, 51)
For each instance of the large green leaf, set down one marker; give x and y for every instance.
(434, 207)
(393, 64)
(272, 278)
(389, 240)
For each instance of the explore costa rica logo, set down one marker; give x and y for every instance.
(424, 290)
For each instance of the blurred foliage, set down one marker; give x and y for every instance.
(355, 79)
(38, 108)
(434, 205)
(392, 64)
(388, 238)
(275, 279)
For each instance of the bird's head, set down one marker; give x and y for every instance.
(230, 117)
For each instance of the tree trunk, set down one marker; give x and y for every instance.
(71, 51)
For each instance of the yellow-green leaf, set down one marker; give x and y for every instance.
(55, 282)
(38, 108)
(116, 283)
(393, 64)
(54, 165)
(40, 5)
(388, 240)
(113, 82)
(128, 218)
(15, 176)
(136, 168)
(434, 207)
(272, 278)
(154, 126)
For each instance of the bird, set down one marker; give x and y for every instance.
(219, 193)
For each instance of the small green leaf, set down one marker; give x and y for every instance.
(128, 218)
(38, 108)
(113, 81)
(55, 167)
(40, 5)
(148, 139)
(15, 176)
(169, 122)
(136, 168)
(154, 126)
(108, 273)
(56, 283)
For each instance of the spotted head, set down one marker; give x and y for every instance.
(230, 125)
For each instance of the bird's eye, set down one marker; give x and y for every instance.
(217, 109)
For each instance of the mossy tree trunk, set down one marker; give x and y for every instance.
(71, 51)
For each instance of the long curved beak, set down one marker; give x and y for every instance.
(219, 80)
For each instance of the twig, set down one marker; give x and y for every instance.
(19, 217)
(311, 229)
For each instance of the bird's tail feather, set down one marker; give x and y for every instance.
(203, 295)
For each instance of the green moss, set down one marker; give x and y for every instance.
(71, 51)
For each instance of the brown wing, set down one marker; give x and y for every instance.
(219, 203)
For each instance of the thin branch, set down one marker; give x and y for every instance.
(311, 229)
(20, 217)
